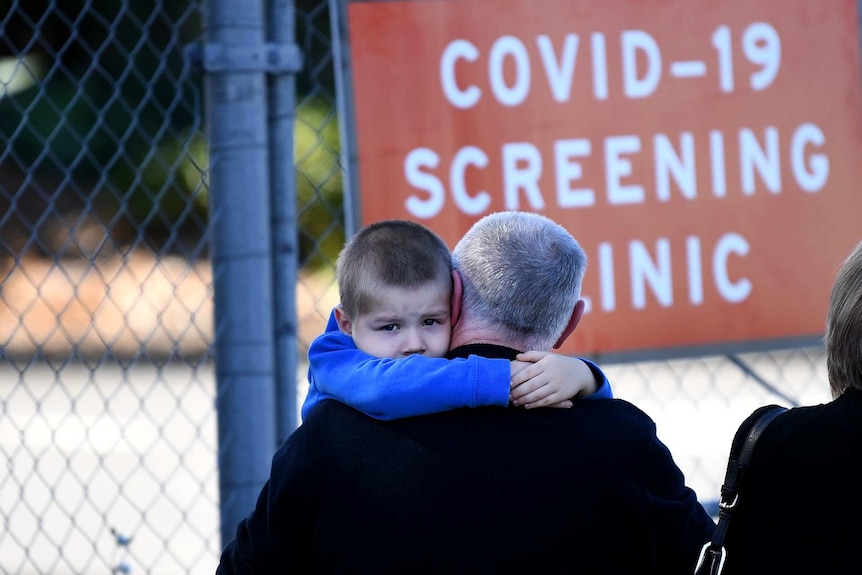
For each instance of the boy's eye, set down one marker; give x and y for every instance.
(430, 322)
(389, 327)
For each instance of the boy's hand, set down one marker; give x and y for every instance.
(546, 379)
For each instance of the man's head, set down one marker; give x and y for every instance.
(521, 276)
(844, 327)
(395, 283)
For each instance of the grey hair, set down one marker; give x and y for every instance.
(844, 327)
(522, 276)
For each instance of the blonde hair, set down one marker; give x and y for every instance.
(389, 253)
(844, 327)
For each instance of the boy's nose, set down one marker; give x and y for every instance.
(414, 343)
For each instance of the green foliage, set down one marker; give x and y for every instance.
(166, 188)
(109, 121)
(319, 184)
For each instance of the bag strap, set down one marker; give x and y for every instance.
(741, 451)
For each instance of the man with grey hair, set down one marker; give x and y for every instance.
(589, 489)
(518, 271)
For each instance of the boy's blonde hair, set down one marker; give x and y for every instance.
(389, 253)
(844, 327)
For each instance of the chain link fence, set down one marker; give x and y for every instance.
(107, 396)
(107, 426)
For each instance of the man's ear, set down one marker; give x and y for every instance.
(344, 323)
(457, 298)
(577, 313)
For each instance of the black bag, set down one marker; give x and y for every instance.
(713, 554)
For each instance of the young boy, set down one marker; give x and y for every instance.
(382, 351)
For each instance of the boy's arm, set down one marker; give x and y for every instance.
(604, 391)
(395, 388)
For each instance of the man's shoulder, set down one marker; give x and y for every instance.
(616, 414)
(618, 407)
(615, 418)
(607, 417)
(329, 409)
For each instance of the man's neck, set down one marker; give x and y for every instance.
(462, 336)
(483, 350)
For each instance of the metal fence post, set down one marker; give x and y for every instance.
(282, 95)
(235, 58)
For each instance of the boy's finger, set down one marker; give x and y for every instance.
(550, 401)
(518, 369)
(531, 355)
(527, 388)
(523, 375)
(538, 398)
(520, 397)
(521, 378)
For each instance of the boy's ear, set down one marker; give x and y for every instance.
(344, 323)
(457, 298)
(577, 313)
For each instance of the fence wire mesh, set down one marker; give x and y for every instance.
(107, 429)
(107, 419)
(319, 177)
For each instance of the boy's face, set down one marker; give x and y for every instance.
(403, 321)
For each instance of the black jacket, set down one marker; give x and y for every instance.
(799, 508)
(584, 490)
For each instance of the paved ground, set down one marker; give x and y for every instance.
(88, 449)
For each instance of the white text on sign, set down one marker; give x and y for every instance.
(761, 46)
(579, 173)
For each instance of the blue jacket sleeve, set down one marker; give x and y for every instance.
(395, 388)
(604, 391)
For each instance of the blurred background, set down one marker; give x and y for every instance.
(109, 432)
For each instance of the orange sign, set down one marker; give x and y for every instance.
(707, 155)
